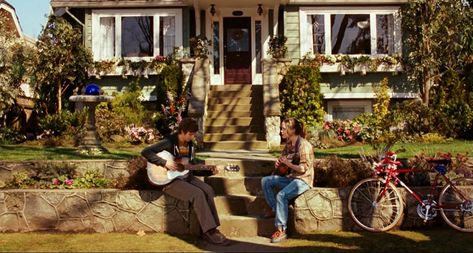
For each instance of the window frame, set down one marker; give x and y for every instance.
(306, 30)
(118, 14)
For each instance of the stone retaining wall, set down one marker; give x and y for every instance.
(106, 210)
(110, 210)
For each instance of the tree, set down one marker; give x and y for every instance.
(15, 65)
(60, 65)
(435, 29)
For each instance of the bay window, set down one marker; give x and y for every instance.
(135, 33)
(351, 31)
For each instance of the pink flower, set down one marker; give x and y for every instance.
(56, 181)
(68, 181)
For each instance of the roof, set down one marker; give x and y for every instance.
(13, 18)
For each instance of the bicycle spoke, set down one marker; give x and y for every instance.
(457, 204)
(372, 211)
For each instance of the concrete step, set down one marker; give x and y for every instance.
(242, 121)
(236, 145)
(232, 87)
(231, 100)
(251, 163)
(240, 205)
(220, 107)
(236, 185)
(234, 129)
(236, 226)
(233, 114)
(215, 137)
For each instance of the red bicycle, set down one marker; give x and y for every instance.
(375, 204)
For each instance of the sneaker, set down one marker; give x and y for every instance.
(214, 236)
(278, 236)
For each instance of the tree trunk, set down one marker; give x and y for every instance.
(59, 97)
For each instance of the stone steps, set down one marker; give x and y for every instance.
(243, 226)
(240, 109)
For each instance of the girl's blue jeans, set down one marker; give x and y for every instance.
(289, 188)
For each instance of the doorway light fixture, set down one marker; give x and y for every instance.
(260, 9)
(212, 9)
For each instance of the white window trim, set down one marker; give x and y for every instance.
(332, 104)
(306, 46)
(155, 13)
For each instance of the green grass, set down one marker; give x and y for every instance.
(404, 150)
(442, 240)
(23, 152)
(34, 151)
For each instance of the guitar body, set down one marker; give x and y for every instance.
(159, 175)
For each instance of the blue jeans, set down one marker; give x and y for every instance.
(289, 188)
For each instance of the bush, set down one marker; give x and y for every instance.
(299, 93)
(10, 136)
(128, 104)
(338, 172)
(109, 123)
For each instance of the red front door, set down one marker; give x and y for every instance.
(237, 50)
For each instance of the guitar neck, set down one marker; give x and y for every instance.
(198, 167)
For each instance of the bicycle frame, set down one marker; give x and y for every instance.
(389, 167)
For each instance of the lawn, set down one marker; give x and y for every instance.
(34, 151)
(435, 240)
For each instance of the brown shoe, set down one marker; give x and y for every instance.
(215, 237)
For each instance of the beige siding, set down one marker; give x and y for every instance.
(88, 29)
(291, 31)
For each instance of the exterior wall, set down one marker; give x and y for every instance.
(292, 31)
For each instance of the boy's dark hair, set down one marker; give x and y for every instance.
(187, 125)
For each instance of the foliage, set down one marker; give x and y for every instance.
(10, 136)
(172, 113)
(171, 79)
(139, 135)
(128, 104)
(60, 65)
(338, 172)
(300, 96)
(15, 66)
(439, 34)
(61, 123)
(57, 176)
(345, 130)
(109, 123)
(200, 46)
(277, 46)
(138, 179)
(381, 105)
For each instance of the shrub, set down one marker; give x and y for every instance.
(299, 93)
(128, 104)
(109, 123)
(138, 177)
(338, 172)
(10, 136)
(200, 46)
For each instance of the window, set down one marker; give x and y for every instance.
(135, 33)
(353, 31)
(216, 51)
(258, 46)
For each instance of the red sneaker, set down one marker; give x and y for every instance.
(278, 236)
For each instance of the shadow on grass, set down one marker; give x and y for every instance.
(433, 240)
(20, 152)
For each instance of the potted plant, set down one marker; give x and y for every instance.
(277, 46)
(200, 46)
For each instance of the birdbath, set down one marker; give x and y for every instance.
(90, 141)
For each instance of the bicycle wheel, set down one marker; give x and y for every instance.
(369, 212)
(457, 211)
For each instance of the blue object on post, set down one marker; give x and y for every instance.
(92, 89)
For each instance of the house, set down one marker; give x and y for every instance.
(25, 100)
(359, 40)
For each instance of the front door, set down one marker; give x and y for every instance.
(237, 50)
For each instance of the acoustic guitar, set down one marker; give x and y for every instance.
(159, 175)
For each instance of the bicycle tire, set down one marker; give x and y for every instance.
(372, 216)
(460, 217)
